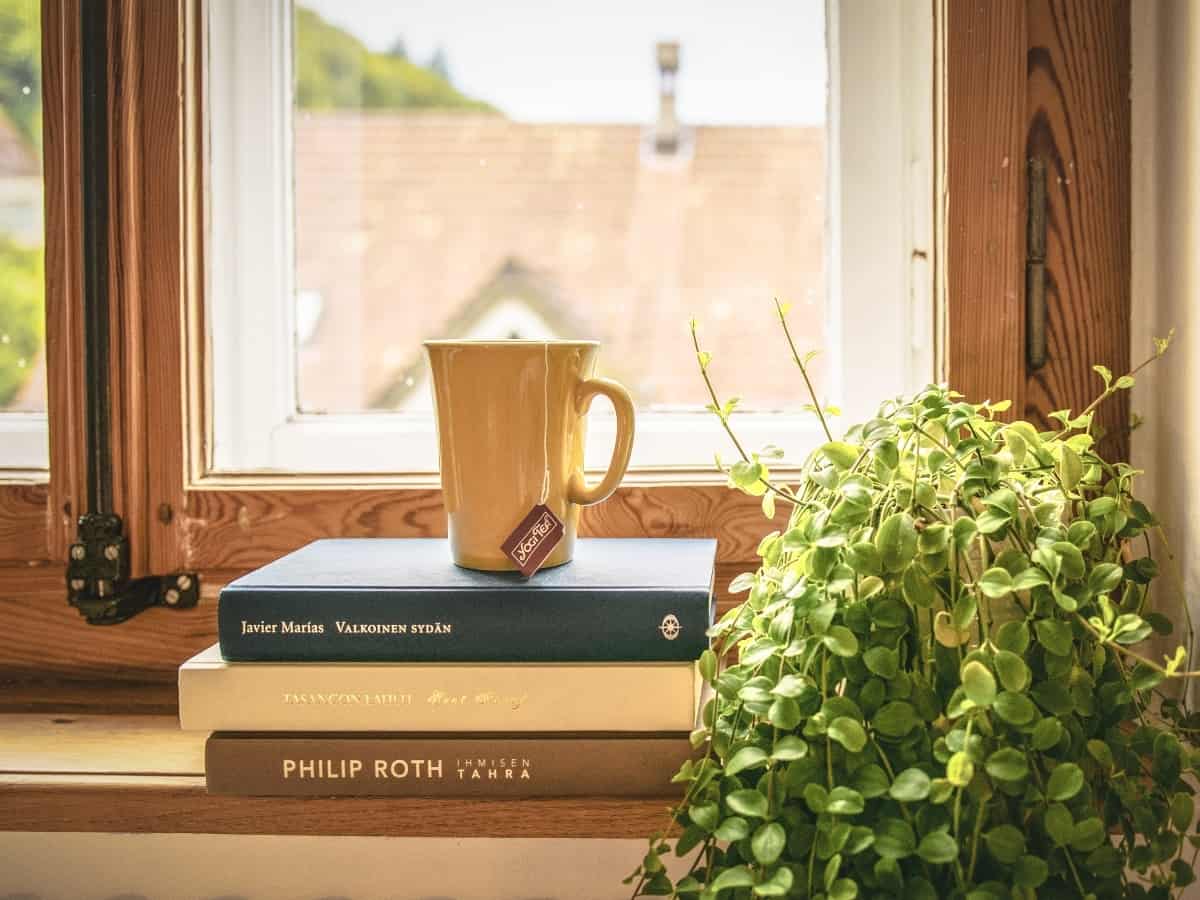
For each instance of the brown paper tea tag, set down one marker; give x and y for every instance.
(534, 539)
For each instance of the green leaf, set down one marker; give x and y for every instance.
(790, 686)
(731, 878)
(996, 582)
(746, 758)
(910, 786)
(1069, 467)
(870, 781)
(1059, 824)
(848, 733)
(978, 683)
(960, 770)
(1014, 708)
(917, 587)
(784, 713)
(789, 747)
(842, 889)
(1088, 835)
(894, 839)
(768, 842)
(777, 885)
(863, 558)
(1054, 635)
(1183, 811)
(844, 801)
(1065, 782)
(733, 828)
(1013, 636)
(1007, 764)
(1013, 672)
(1030, 579)
(1030, 871)
(1046, 734)
(896, 719)
(938, 847)
(705, 815)
(747, 802)
(882, 661)
(896, 541)
(841, 454)
(841, 641)
(1105, 578)
(1005, 842)
(742, 582)
(708, 665)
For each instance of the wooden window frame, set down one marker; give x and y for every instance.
(992, 111)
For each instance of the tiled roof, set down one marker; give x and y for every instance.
(403, 218)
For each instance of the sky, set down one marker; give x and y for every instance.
(753, 62)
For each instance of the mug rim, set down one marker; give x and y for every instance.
(508, 342)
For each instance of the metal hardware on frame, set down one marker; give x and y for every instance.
(1035, 267)
(98, 582)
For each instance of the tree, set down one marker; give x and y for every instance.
(20, 67)
(335, 70)
(397, 49)
(440, 64)
(22, 320)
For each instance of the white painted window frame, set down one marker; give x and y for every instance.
(24, 445)
(880, 213)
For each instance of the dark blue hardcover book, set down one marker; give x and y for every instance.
(403, 600)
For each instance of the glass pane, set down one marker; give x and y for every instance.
(22, 287)
(466, 169)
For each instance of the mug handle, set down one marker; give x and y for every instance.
(577, 489)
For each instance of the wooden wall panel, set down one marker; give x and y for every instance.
(985, 179)
(24, 523)
(1079, 118)
(235, 529)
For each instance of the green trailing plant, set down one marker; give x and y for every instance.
(938, 685)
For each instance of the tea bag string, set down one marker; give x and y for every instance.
(545, 495)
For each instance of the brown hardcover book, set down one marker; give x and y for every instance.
(440, 765)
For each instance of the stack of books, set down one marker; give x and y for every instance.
(376, 667)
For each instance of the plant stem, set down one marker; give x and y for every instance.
(712, 392)
(803, 370)
(1133, 654)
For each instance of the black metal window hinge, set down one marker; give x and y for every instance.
(1035, 266)
(98, 582)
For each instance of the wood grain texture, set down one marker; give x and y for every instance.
(985, 177)
(241, 529)
(24, 522)
(180, 805)
(142, 774)
(1079, 119)
(43, 638)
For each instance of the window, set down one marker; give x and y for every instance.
(470, 171)
(23, 431)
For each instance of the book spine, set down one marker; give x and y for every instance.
(438, 697)
(257, 624)
(503, 765)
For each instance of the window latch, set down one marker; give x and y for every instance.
(98, 582)
(1035, 266)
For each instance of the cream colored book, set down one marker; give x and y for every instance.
(215, 695)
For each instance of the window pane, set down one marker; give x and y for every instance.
(602, 171)
(22, 287)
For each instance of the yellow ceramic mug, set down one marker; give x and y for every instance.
(508, 411)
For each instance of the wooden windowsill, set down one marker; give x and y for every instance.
(60, 771)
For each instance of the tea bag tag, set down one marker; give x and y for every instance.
(534, 539)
